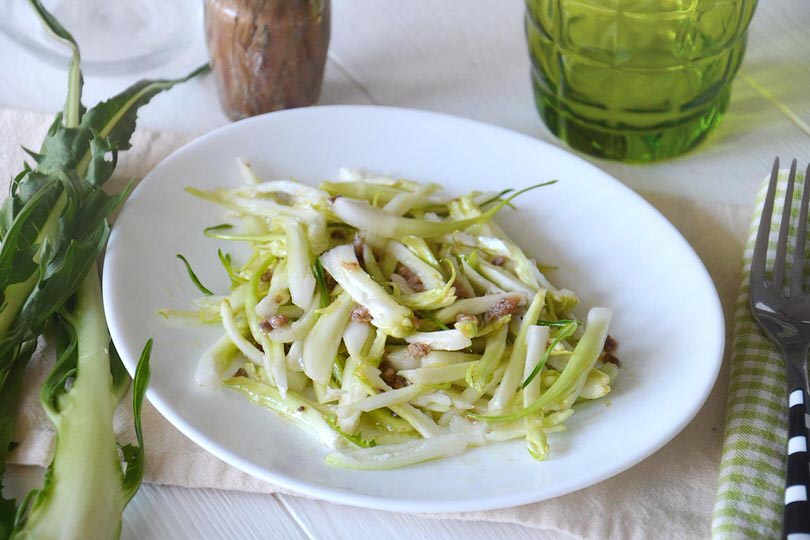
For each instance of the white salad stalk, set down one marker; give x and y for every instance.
(408, 326)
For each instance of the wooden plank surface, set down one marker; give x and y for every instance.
(325, 520)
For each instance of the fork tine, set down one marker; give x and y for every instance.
(760, 255)
(784, 230)
(797, 273)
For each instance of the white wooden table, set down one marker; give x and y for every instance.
(468, 59)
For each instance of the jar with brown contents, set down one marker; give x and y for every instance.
(267, 55)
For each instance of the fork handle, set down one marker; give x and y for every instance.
(796, 524)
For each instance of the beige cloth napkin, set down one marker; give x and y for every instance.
(669, 495)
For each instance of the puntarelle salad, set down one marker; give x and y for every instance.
(394, 323)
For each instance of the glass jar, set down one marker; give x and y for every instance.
(635, 80)
(267, 55)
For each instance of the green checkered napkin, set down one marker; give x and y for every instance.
(750, 493)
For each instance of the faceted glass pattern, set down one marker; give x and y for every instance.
(635, 80)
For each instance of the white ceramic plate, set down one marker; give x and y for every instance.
(608, 244)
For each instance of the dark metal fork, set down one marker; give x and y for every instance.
(783, 311)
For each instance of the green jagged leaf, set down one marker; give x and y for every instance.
(114, 120)
(134, 456)
(9, 394)
(65, 161)
(18, 252)
(103, 130)
(73, 105)
(13, 187)
(53, 228)
(56, 192)
(120, 377)
(58, 277)
(65, 367)
(100, 168)
(61, 150)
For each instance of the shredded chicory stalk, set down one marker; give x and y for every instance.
(395, 323)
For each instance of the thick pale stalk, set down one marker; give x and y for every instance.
(536, 342)
(322, 343)
(299, 269)
(511, 378)
(387, 314)
(86, 478)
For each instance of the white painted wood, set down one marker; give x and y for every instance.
(161, 512)
(200, 514)
(464, 58)
(328, 521)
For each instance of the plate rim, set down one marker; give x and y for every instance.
(344, 496)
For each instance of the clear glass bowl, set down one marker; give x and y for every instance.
(115, 36)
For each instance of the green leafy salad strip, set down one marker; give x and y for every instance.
(53, 227)
(395, 324)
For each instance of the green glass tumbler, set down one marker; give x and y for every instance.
(635, 80)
